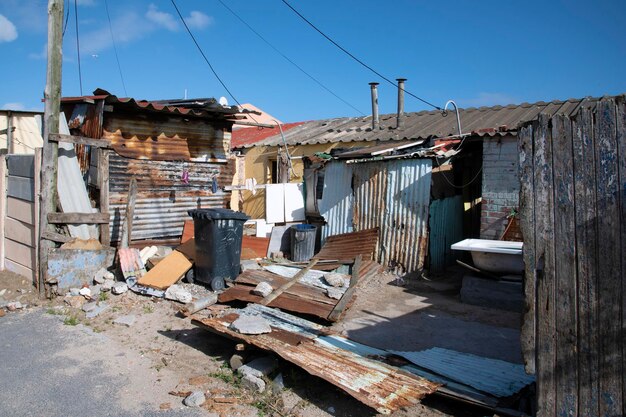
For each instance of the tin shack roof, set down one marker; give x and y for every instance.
(483, 121)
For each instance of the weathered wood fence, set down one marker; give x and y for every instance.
(573, 213)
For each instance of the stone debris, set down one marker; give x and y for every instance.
(278, 384)
(96, 311)
(178, 293)
(16, 305)
(236, 361)
(260, 367)
(250, 325)
(249, 264)
(127, 320)
(95, 291)
(103, 275)
(107, 285)
(85, 292)
(90, 306)
(253, 383)
(195, 399)
(335, 293)
(2, 291)
(74, 291)
(336, 280)
(75, 301)
(119, 288)
(263, 289)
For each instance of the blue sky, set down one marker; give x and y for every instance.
(475, 52)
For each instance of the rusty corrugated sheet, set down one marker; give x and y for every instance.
(163, 198)
(349, 245)
(446, 228)
(392, 195)
(164, 138)
(376, 384)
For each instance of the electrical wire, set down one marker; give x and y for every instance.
(205, 58)
(443, 174)
(119, 67)
(355, 58)
(67, 16)
(289, 60)
(80, 74)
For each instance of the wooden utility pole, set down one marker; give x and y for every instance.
(52, 97)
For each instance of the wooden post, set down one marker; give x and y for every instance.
(52, 96)
(37, 205)
(103, 185)
(127, 226)
(349, 294)
(3, 205)
(10, 147)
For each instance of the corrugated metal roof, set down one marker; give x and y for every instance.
(243, 137)
(492, 376)
(483, 121)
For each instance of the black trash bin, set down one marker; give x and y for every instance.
(218, 234)
(302, 242)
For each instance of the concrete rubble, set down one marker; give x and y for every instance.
(334, 293)
(96, 311)
(262, 289)
(251, 325)
(127, 320)
(119, 288)
(195, 399)
(336, 280)
(178, 293)
(103, 275)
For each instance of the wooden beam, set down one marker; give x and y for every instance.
(127, 226)
(347, 296)
(52, 97)
(56, 237)
(103, 185)
(78, 218)
(80, 140)
(265, 301)
(38, 157)
(3, 204)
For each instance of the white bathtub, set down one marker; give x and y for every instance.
(494, 255)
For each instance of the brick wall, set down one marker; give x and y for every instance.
(500, 184)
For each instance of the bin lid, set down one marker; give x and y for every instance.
(217, 214)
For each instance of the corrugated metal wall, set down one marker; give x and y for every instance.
(446, 228)
(391, 195)
(163, 198)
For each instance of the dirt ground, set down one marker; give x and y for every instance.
(180, 357)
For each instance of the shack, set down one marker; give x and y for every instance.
(177, 150)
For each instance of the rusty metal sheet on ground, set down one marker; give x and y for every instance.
(348, 246)
(376, 384)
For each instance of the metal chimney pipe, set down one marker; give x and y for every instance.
(400, 120)
(374, 105)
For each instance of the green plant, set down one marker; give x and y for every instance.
(54, 311)
(103, 296)
(148, 309)
(228, 377)
(71, 321)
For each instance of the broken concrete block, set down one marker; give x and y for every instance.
(75, 301)
(119, 288)
(250, 325)
(107, 285)
(90, 306)
(259, 367)
(85, 292)
(253, 383)
(335, 293)
(236, 361)
(249, 264)
(263, 289)
(16, 305)
(96, 311)
(336, 280)
(103, 275)
(127, 321)
(74, 291)
(178, 293)
(195, 399)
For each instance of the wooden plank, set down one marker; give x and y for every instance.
(167, 272)
(21, 210)
(129, 214)
(80, 140)
(26, 272)
(621, 151)
(78, 218)
(56, 237)
(609, 284)
(544, 265)
(3, 206)
(22, 188)
(565, 268)
(103, 186)
(188, 232)
(20, 253)
(586, 262)
(349, 294)
(286, 286)
(20, 232)
(21, 165)
(38, 279)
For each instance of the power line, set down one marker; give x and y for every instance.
(80, 74)
(119, 67)
(355, 58)
(67, 16)
(289, 60)
(204, 56)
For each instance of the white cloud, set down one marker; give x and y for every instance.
(13, 106)
(488, 99)
(126, 28)
(8, 31)
(43, 54)
(198, 20)
(163, 19)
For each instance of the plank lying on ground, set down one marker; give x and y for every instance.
(378, 385)
(277, 292)
(349, 294)
(167, 272)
